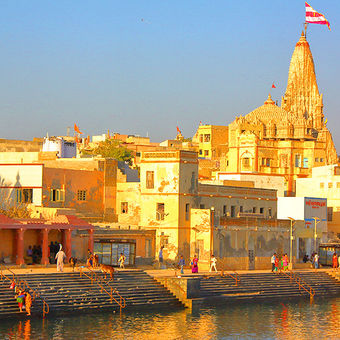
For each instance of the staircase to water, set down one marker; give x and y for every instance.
(70, 292)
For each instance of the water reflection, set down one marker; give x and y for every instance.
(293, 320)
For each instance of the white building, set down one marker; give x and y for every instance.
(64, 148)
(309, 216)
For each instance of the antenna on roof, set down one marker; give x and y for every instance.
(68, 131)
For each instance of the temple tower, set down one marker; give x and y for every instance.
(302, 95)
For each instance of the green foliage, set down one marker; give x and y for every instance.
(111, 149)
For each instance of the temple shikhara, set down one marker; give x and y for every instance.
(284, 141)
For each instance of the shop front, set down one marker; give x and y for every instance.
(109, 250)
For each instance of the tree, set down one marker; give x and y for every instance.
(111, 148)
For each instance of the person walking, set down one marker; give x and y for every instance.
(60, 259)
(160, 257)
(213, 261)
(277, 262)
(121, 261)
(20, 297)
(335, 261)
(339, 261)
(194, 264)
(181, 264)
(285, 262)
(316, 261)
(272, 261)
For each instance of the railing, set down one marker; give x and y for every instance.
(94, 278)
(22, 284)
(301, 283)
(236, 277)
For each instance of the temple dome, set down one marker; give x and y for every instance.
(269, 111)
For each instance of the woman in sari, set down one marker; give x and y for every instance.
(194, 268)
(335, 261)
(285, 262)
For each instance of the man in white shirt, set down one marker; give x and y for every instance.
(272, 261)
(213, 261)
(316, 261)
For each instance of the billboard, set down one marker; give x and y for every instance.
(315, 210)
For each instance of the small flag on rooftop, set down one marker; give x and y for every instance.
(76, 129)
(273, 86)
(314, 17)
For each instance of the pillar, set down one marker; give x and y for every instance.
(91, 242)
(67, 243)
(44, 246)
(20, 247)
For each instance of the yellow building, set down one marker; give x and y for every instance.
(170, 199)
(287, 140)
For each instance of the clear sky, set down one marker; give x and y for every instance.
(146, 66)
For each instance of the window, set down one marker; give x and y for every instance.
(164, 240)
(305, 162)
(254, 210)
(148, 248)
(322, 185)
(270, 212)
(24, 195)
(187, 212)
(124, 207)
(330, 214)
(202, 206)
(201, 152)
(241, 208)
(207, 138)
(330, 185)
(81, 195)
(233, 211)
(297, 161)
(160, 212)
(201, 138)
(316, 160)
(224, 210)
(227, 163)
(57, 195)
(245, 162)
(261, 210)
(337, 185)
(150, 179)
(321, 160)
(206, 152)
(137, 154)
(263, 161)
(267, 161)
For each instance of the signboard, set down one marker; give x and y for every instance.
(316, 212)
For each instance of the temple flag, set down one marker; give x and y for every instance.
(76, 129)
(313, 17)
(178, 130)
(273, 86)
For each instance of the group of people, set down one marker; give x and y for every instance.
(314, 259)
(33, 254)
(279, 263)
(194, 264)
(54, 249)
(23, 297)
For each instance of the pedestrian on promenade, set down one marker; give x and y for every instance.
(60, 259)
(28, 302)
(194, 264)
(213, 261)
(339, 261)
(285, 262)
(316, 261)
(160, 257)
(272, 261)
(121, 261)
(335, 261)
(181, 264)
(277, 262)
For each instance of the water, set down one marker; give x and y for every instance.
(291, 320)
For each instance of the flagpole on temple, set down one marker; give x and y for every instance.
(306, 24)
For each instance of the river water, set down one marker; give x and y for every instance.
(290, 320)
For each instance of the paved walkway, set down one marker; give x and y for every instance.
(153, 272)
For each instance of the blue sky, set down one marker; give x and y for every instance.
(141, 67)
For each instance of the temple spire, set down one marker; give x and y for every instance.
(302, 94)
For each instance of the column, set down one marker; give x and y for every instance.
(20, 246)
(68, 243)
(44, 246)
(91, 242)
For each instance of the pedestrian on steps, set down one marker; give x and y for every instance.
(316, 261)
(60, 259)
(28, 302)
(272, 261)
(213, 261)
(181, 264)
(335, 261)
(121, 261)
(160, 257)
